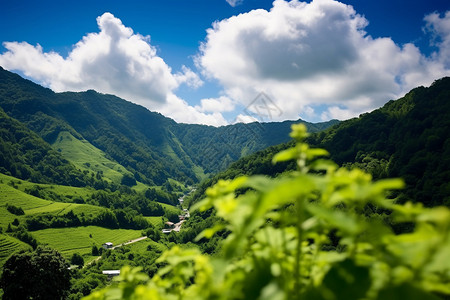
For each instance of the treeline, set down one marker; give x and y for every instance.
(407, 138)
(119, 218)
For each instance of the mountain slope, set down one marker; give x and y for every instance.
(407, 138)
(23, 154)
(150, 146)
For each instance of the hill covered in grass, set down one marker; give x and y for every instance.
(151, 147)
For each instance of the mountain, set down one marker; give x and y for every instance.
(24, 154)
(407, 138)
(151, 147)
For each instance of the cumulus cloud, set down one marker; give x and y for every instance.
(306, 55)
(182, 112)
(116, 61)
(221, 104)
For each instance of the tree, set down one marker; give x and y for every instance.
(77, 259)
(128, 180)
(95, 250)
(40, 274)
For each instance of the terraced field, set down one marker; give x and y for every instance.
(66, 191)
(156, 221)
(9, 245)
(80, 239)
(172, 208)
(33, 205)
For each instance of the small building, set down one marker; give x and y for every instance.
(167, 231)
(111, 273)
(107, 245)
(170, 224)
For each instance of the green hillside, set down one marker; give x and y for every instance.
(151, 147)
(407, 138)
(87, 157)
(80, 239)
(23, 154)
(10, 245)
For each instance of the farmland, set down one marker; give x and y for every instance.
(81, 239)
(9, 245)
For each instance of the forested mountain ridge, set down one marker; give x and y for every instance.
(151, 146)
(24, 154)
(407, 138)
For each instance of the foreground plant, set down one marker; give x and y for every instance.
(320, 232)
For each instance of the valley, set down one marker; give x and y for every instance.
(78, 170)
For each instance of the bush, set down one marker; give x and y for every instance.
(15, 210)
(77, 259)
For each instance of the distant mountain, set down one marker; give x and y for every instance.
(150, 146)
(407, 138)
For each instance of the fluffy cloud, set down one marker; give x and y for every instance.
(181, 111)
(221, 104)
(307, 55)
(115, 60)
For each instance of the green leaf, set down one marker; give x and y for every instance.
(285, 155)
(405, 291)
(346, 280)
(337, 219)
(208, 233)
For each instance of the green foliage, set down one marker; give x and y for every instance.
(407, 138)
(10, 245)
(319, 232)
(26, 156)
(128, 180)
(77, 259)
(95, 251)
(18, 211)
(41, 274)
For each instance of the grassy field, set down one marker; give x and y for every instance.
(156, 221)
(142, 246)
(80, 239)
(172, 208)
(9, 245)
(86, 156)
(66, 191)
(32, 205)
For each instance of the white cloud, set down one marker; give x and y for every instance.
(221, 104)
(306, 55)
(234, 3)
(115, 61)
(182, 112)
(241, 118)
(440, 30)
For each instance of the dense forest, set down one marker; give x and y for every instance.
(407, 138)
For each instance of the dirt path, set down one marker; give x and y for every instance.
(120, 245)
(130, 242)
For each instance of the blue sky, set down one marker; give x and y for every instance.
(315, 60)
